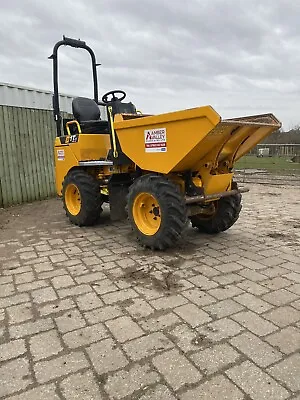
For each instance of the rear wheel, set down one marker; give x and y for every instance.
(157, 211)
(81, 198)
(227, 211)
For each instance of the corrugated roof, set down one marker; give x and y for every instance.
(21, 96)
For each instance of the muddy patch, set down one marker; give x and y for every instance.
(288, 239)
(181, 248)
(295, 223)
(5, 216)
(162, 278)
(282, 236)
(201, 340)
(273, 194)
(276, 235)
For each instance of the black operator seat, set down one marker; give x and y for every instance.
(87, 113)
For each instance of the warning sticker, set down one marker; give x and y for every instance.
(60, 155)
(155, 140)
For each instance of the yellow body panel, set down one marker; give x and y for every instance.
(87, 148)
(217, 183)
(193, 139)
(64, 161)
(184, 130)
(91, 147)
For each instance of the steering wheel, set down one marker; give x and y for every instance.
(114, 97)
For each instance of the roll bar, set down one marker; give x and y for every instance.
(54, 56)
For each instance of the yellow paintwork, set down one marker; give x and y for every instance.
(88, 147)
(144, 206)
(185, 129)
(72, 199)
(113, 133)
(91, 147)
(197, 181)
(63, 163)
(72, 123)
(217, 183)
(194, 137)
(196, 140)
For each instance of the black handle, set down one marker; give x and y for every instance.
(73, 42)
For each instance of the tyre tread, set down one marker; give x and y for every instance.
(227, 214)
(90, 195)
(171, 200)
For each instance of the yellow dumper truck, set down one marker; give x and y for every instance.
(160, 171)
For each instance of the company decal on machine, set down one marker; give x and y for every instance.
(69, 139)
(156, 140)
(60, 155)
(73, 139)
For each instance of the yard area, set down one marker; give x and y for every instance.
(270, 164)
(85, 313)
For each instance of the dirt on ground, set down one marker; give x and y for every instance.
(88, 313)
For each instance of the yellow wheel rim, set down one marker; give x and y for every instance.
(72, 199)
(146, 213)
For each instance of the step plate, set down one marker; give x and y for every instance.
(94, 163)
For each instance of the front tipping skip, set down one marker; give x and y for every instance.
(159, 170)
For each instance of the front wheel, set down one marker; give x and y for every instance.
(156, 211)
(227, 211)
(81, 197)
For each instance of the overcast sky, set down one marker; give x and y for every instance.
(240, 56)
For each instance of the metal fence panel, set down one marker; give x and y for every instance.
(278, 149)
(26, 155)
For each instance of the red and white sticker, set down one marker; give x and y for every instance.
(156, 140)
(60, 155)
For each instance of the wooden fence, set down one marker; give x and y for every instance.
(26, 155)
